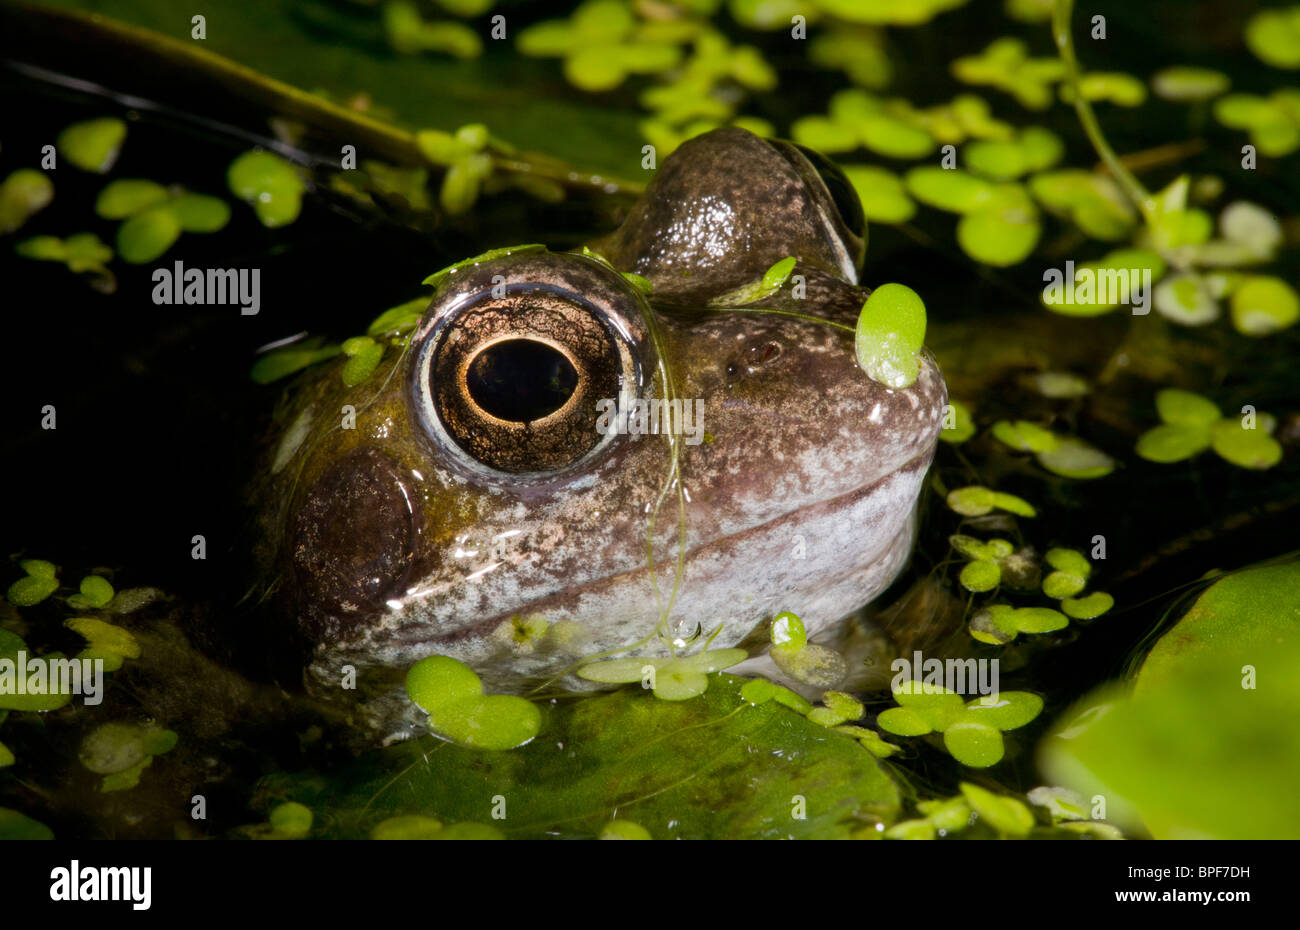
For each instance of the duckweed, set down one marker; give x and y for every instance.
(23, 194)
(1274, 36)
(975, 501)
(624, 830)
(1193, 423)
(269, 183)
(92, 145)
(452, 695)
(290, 820)
(40, 582)
(972, 730)
(80, 252)
(1189, 84)
(674, 679)
(890, 334)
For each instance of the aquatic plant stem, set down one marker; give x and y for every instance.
(1132, 187)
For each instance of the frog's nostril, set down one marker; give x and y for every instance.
(760, 354)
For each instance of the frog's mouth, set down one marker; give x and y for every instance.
(855, 544)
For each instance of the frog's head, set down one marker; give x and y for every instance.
(489, 500)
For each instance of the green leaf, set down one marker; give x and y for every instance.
(1264, 305)
(1173, 443)
(974, 744)
(980, 576)
(127, 196)
(883, 196)
(1208, 743)
(712, 767)
(1188, 84)
(1089, 607)
(1011, 709)
(1025, 436)
(23, 194)
(438, 277)
(283, 362)
(364, 355)
(1074, 458)
(949, 189)
(199, 213)
(147, 235)
(291, 819)
(1274, 36)
(1006, 815)
(269, 183)
(890, 334)
(94, 144)
(18, 826)
(1245, 448)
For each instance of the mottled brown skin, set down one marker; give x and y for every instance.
(392, 541)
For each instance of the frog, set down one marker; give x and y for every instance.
(517, 487)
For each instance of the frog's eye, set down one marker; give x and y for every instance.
(515, 355)
(843, 197)
(835, 196)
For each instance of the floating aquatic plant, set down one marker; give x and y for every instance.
(1193, 423)
(122, 751)
(40, 582)
(451, 693)
(23, 194)
(92, 145)
(1067, 456)
(269, 183)
(890, 334)
(976, 501)
(972, 730)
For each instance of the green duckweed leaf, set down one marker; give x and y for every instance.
(1088, 607)
(1274, 36)
(624, 830)
(291, 819)
(890, 334)
(269, 183)
(1074, 458)
(962, 424)
(1024, 436)
(883, 196)
(92, 145)
(128, 196)
(23, 194)
(1263, 305)
(147, 235)
(980, 576)
(406, 827)
(364, 355)
(788, 630)
(1245, 448)
(1188, 84)
(1172, 442)
(974, 744)
(1006, 815)
(18, 826)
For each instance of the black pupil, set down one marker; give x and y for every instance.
(521, 380)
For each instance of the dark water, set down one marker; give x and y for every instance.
(158, 421)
